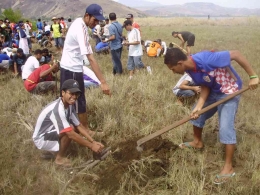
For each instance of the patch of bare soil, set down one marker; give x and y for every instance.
(110, 174)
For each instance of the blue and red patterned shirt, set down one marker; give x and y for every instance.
(213, 70)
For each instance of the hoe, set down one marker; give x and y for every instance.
(186, 119)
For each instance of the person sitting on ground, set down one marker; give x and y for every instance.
(216, 76)
(18, 61)
(48, 58)
(41, 80)
(90, 78)
(185, 36)
(4, 61)
(185, 88)
(31, 64)
(47, 30)
(102, 47)
(135, 49)
(151, 50)
(58, 124)
(97, 33)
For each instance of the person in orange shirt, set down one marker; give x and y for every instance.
(154, 49)
(134, 24)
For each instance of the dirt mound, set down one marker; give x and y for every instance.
(127, 162)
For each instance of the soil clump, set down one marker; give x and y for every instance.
(127, 162)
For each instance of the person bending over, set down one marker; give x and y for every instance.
(41, 79)
(185, 36)
(217, 78)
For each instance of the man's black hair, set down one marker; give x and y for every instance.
(39, 19)
(45, 50)
(37, 51)
(173, 56)
(69, 20)
(174, 32)
(112, 16)
(127, 22)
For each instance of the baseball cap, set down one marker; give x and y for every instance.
(96, 11)
(71, 85)
(54, 18)
(129, 16)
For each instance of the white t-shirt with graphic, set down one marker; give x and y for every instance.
(76, 46)
(185, 77)
(133, 36)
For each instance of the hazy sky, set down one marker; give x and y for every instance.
(225, 3)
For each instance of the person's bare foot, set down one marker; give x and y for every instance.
(63, 162)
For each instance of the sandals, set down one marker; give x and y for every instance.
(220, 179)
(187, 145)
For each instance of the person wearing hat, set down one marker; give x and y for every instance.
(19, 60)
(57, 33)
(77, 46)
(58, 124)
(134, 24)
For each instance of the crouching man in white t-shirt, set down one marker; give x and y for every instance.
(135, 49)
(31, 64)
(185, 88)
(58, 124)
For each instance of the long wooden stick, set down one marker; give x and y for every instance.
(176, 45)
(186, 119)
(94, 163)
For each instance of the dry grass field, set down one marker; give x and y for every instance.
(138, 107)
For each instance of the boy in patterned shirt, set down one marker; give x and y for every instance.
(217, 78)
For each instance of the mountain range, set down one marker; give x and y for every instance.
(66, 8)
(188, 9)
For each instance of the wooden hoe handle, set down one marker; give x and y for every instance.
(187, 118)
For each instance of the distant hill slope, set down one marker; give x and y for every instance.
(197, 9)
(139, 3)
(66, 8)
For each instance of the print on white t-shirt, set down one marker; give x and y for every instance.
(133, 36)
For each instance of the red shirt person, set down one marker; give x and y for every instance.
(134, 24)
(40, 80)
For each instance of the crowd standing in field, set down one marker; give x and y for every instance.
(207, 74)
